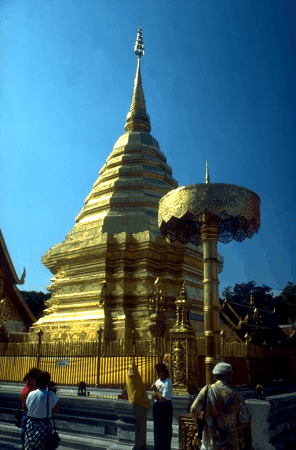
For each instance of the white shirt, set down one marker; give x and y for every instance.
(37, 403)
(165, 388)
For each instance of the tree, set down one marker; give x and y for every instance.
(35, 301)
(240, 293)
(285, 303)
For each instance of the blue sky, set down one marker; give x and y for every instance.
(219, 83)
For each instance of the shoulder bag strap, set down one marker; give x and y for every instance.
(206, 398)
(54, 426)
(47, 409)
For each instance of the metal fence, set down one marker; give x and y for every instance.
(105, 364)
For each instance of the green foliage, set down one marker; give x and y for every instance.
(285, 303)
(35, 301)
(262, 295)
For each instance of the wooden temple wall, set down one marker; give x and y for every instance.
(106, 364)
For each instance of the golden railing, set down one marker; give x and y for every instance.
(105, 364)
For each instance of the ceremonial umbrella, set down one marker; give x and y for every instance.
(203, 214)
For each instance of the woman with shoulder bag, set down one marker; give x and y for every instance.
(40, 405)
(30, 380)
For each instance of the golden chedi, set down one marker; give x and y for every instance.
(105, 269)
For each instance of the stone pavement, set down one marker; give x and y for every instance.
(10, 440)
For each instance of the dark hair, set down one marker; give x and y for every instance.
(43, 379)
(163, 368)
(33, 373)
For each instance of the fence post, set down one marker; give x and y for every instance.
(39, 333)
(222, 340)
(100, 332)
(133, 347)
(247, 343)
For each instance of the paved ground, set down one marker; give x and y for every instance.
(10, 440)
(10, 435)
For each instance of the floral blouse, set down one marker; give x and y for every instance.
(225, 412)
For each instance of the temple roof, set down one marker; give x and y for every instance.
(9, 291)
(6, 260)
(257, 325)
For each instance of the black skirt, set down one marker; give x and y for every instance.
(36, 433)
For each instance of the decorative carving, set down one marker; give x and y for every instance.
(183, 347)
(182, 312)
(257, 319)
(237, 211)
(192, 365)
(22, 280)
(8, 311)
(178, 363)
(157, 325)
(188, 439)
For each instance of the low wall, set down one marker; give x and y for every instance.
(273, 421)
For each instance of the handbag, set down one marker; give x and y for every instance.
(18, 418)
(53, 439)
(200, 421)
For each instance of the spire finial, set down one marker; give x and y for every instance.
(139, 45)
(137, 118)
(207, 173)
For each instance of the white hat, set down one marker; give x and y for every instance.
(221, 368)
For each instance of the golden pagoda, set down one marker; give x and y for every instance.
(105, 269)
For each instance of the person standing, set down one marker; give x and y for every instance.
(138, 396)
(30, 380)
(39, 425)
(162, 409)
(224, 411)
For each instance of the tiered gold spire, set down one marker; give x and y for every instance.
(207, 173)
(137, 118)
(116, 242)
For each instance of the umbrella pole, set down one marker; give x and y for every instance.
(209, 238)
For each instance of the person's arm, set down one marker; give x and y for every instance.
(167, 391)
(160, 396)
(198, 405)
(55, 408)
(24, 395)
(155, 391)
(244, 416)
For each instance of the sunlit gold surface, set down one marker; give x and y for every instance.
(207, 213)
(116, 239)
(209, 237)
(237, 210)
(183, 362)
(15, 316)
(188, 435)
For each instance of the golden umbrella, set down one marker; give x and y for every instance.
(203, 214)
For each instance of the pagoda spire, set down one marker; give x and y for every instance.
(207, 173)
(137, 118)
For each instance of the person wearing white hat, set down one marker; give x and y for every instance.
(224, 411)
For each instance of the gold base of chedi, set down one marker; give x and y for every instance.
(116, 239)
(80, 304)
